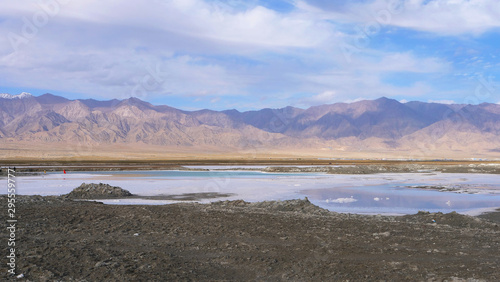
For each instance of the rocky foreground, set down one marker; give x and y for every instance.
(66, 240)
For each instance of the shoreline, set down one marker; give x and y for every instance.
(330, 167)
(490, 213)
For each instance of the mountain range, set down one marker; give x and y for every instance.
(381, 127)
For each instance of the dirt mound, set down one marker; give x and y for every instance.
(97, 191)
(300, 206)
(452, 219)
(230, 204)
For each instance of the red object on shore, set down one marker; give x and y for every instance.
(64, 171)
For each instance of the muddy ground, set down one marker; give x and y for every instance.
(62, 239)
(392, 168)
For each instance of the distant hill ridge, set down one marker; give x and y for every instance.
(381, 124)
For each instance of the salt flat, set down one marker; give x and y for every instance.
(386, 193)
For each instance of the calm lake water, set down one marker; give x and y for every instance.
(372, 194)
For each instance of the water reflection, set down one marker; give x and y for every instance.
(375, 193)
(396, 199)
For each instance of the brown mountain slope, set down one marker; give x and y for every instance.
(379, 127)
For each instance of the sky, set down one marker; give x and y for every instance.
(253, 54)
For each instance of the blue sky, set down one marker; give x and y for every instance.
(194, 54)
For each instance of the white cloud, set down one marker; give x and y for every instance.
(349, 101)
(109, 76)
(327, 97)
(407, 62)
(349, 85)
(94, 47)
(257, 25)
(451, 17)
(210, 49)
(447, 102)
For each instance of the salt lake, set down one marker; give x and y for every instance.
(364, 194)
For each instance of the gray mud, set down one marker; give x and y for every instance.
(60, 239)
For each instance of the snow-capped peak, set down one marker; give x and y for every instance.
(18, 96)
